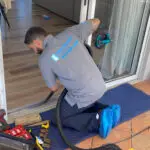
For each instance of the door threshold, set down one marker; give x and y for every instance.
(48, 106)
(131, 79)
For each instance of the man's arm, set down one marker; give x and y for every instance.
(83, 30)
(48, 76)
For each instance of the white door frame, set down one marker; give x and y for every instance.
(83, 10)
(144, 51)
(3, 103)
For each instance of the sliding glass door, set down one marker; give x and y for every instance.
(117, 44)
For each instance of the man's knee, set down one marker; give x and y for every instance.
(54, 119)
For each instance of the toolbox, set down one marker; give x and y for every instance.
(8, 142)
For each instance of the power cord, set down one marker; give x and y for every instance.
(132, 136)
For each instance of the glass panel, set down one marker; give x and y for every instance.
(118, 41)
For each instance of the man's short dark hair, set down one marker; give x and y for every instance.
(33, 33)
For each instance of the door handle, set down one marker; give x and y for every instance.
(85, 2)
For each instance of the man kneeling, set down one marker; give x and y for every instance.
(65, 57)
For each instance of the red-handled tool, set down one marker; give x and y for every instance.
(3, 124)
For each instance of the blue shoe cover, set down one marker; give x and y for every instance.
(106, 122)
(116, 114)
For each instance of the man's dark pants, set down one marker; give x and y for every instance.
(84, 119)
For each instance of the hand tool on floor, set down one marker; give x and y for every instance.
(42, 142)
(39, 123)
(44, 135)
(38, 143)
(46, 125)
(3, 123)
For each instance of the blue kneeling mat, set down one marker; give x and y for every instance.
(131, 100)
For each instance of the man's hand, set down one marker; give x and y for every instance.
(54, 88)
(95, 23)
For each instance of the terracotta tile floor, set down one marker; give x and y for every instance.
(140, 142)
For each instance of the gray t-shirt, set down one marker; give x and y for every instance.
(65, 57)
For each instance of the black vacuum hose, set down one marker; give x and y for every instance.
(60, 128)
